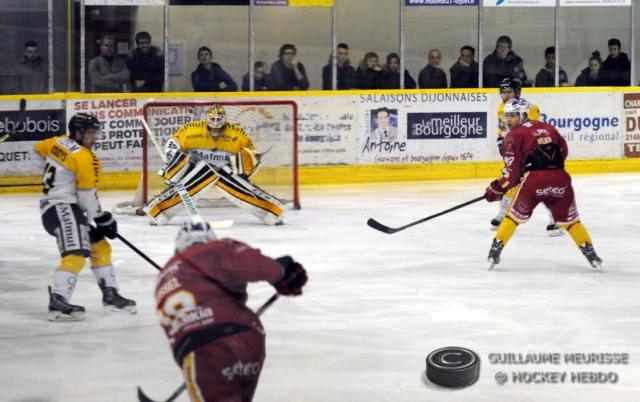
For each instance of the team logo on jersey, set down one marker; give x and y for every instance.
(551, 191)
(240, 369)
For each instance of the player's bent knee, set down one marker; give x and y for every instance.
(101, 253)
(72, 263)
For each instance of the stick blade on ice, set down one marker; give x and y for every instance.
(379, 226)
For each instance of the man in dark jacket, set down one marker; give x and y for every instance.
(146, 65)
(502, 63)
(391, 76)
(464, 74)
(617, 67)
(546, 77)
(261, 78)
(210, 77)
(30, 76)
(432, 76)
(288, 74)
(346, 72)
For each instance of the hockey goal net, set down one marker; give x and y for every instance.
(271, 125)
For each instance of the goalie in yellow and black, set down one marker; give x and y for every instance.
(212, 153)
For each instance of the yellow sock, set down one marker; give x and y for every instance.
(72, 263)
(506, 229)
(578, 233)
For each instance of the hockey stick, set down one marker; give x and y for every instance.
(142, 397)
(386, 229)
(140, 253)
(182, 191)
(19, 120)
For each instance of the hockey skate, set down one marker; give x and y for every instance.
(494, 253)
(592, 257)
(554, 230)
(113, 301)
(61, 310)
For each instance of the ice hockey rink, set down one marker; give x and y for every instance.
(374, 307)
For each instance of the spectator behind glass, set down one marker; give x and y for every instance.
(546, 77)
(288, 74)
(370, 74)
(209, 76)
(432, 76)
(146, 65)
(464, 73)
(346, 72)
(592, 76)
(261, 79)
(30, 75)
(503, 63)
(391, 77)
(617, 67)
(108, 72)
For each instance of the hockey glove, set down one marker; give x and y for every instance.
(106, 225)
(494, 191)
(294, 278)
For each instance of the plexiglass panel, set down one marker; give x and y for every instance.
(308, 29)
(525, 33)
(24, 65)
(585, 30)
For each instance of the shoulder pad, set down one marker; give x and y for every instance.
(70, 144)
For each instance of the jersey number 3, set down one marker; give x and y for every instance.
(48, 178)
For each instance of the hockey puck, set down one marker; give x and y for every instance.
(453, 367)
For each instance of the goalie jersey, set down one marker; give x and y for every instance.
(71, 174)
(231, 144)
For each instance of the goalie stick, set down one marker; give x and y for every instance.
(142, 397)
(20, 120)
(389, 230)
(182, 191)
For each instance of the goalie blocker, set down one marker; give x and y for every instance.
(198, 176)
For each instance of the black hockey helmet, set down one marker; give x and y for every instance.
(80, 123)
(512, 83)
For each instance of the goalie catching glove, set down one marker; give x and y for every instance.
(295, 277)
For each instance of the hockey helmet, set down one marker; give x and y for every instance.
(193, 234)
(517, 105)
(511, 83)
(80, 123)
(216, 116)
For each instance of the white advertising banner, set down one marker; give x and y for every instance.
(590, 122)
(519, 3)
(348, 129)
(591, 3)
(429, 127)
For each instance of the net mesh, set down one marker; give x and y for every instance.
(271, 125)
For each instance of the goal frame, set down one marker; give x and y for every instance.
(294, 150)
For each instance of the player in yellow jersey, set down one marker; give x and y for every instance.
(69, 206)
(212, 153)
(510, 89)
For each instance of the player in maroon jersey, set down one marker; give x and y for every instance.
(200, 297)
(534, 155)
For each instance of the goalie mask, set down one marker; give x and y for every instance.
(80, 123)
(193, 234)
(520, 106)
(216, 116)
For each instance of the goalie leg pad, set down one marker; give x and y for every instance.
(249, 197)
(169, 204)
(177, 165)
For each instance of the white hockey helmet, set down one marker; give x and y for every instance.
(193, 234)
(517, 105)
(216, 116)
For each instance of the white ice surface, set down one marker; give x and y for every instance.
(374, 307)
